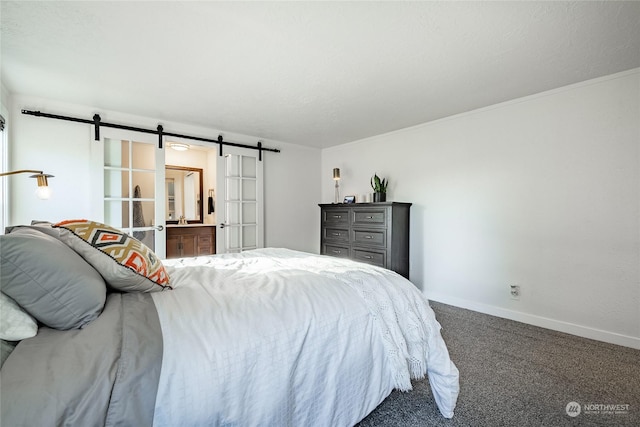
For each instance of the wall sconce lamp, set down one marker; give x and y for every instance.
(43, 191)
(336, 178)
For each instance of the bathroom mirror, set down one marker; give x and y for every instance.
(183, 187)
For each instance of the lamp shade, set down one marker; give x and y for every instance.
(43, 191)
(336, 173)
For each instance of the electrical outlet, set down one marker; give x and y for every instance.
(515, 292)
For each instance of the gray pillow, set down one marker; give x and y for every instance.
(6, 347)
(49, 280)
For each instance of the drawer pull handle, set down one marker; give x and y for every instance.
(336, 251)
(336, 234)
(369, 217)
(337, 216)
(368, 257)
(368, 237)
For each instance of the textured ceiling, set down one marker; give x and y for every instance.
(313, 73)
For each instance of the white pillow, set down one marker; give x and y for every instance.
(15, 323)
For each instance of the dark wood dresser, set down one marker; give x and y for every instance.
(375, 233)
(187, 241)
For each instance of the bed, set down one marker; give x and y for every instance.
(265, 337)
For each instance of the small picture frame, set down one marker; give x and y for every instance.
(349, 199)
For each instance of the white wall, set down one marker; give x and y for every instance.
(63, 149)
(292, 211)
(542, 192)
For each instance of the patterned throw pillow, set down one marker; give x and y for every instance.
(125, 263)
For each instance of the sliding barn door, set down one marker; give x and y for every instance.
(130, 189)
(240, 197)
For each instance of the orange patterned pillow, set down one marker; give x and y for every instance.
(125, 263)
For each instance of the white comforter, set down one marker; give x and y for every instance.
(278, 337)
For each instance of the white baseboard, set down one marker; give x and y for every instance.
(543, 322)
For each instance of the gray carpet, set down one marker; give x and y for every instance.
(513, 374)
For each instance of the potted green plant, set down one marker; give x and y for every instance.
(379, 188)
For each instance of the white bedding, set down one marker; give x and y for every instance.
(284, 338)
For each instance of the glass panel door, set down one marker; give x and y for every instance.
(133, 179)
(240, 222)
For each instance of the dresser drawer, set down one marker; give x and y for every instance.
(370, 237)
(336, 251)
(372, 233)
(335, 217)
(331, 234)
(371, 216)
(370, 257)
